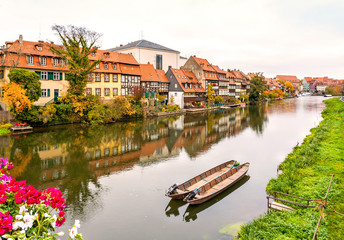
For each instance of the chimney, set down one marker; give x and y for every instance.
(169, 67)
(40, 41)
(51, 42)
(21, 39)
(121, 45)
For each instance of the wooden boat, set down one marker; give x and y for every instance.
(182, 190)
(217, 185)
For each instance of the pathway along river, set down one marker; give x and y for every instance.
(114, 176)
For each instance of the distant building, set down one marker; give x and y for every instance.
(148, 52)
(293, 80)
(305, 84)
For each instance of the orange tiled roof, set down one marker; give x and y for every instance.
(28, 48)
(288, 78)
(162, 76)
(130, 69)
(204, 64)
(186, 76)
(148, 73)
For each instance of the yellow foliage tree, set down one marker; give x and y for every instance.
(289, 87)
(14, 96)
(210, 94)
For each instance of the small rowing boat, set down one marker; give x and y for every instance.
(217, 185)
(182, 190)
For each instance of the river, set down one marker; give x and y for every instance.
(114, 176)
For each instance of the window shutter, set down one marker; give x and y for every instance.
(50, 76)
(60, 76)
(39, 74)
(48, 92)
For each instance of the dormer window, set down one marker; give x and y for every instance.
(186, 86)
(39, 48)
(107, 55)
(55, 62)
(30, 60)
(97, 66)
(106, 66)
(93, 54)
(114, 66)
(43, 61)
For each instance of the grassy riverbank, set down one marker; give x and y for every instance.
(306, 173)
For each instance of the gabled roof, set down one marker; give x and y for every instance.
(148, 73)
(143, 44)
(204, 64)
(162, 76)
(186, 76)
(287, 78)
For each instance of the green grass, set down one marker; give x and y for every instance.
(4, 131)
(306, 173)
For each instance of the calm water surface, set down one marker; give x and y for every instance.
(114, 176)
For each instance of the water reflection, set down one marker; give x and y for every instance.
(72, 158)
(192, 210)
(173, 206)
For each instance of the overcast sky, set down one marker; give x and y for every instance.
(295, 37)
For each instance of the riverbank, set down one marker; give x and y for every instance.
(306, 173)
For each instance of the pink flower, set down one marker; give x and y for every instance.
(61, 219)
(5, 223)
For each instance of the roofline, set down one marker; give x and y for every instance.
(122, 48)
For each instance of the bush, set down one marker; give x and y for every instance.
(218, 99)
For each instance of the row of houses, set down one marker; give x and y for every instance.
(150, 67)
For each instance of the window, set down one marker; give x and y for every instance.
(93, 54)
(123, 92)
(175, 94)
(106, 78)
(44, 75)
(43, 61)
(106, 66)
(55, 62)
(98, 92)
(30, 60)
(114, 66)
(123, 79)
(56, 76)
(115, 91)
(97, 66)
(175, 85)
(88, 91)
(98, 77)
(115, 78)
(135, 79)
(45, 93)
(107, 55)
(39, 48)
(186, 86)
(1, 74)
(106, 91)
(158, 61)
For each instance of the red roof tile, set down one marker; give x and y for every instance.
(186, 76)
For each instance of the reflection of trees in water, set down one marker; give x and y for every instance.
(64, 156)
(258, 118)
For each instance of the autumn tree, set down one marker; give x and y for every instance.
(29, 80)
(78, 44)
(289, 87)
(210, 94)
(257, 88)
(15, 97)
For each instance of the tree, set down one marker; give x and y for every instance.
(210, 94)
(257, 88)
(15, 97)
(289, 87)
(78, 43)
(29, 80)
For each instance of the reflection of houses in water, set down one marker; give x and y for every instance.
(155, 140)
